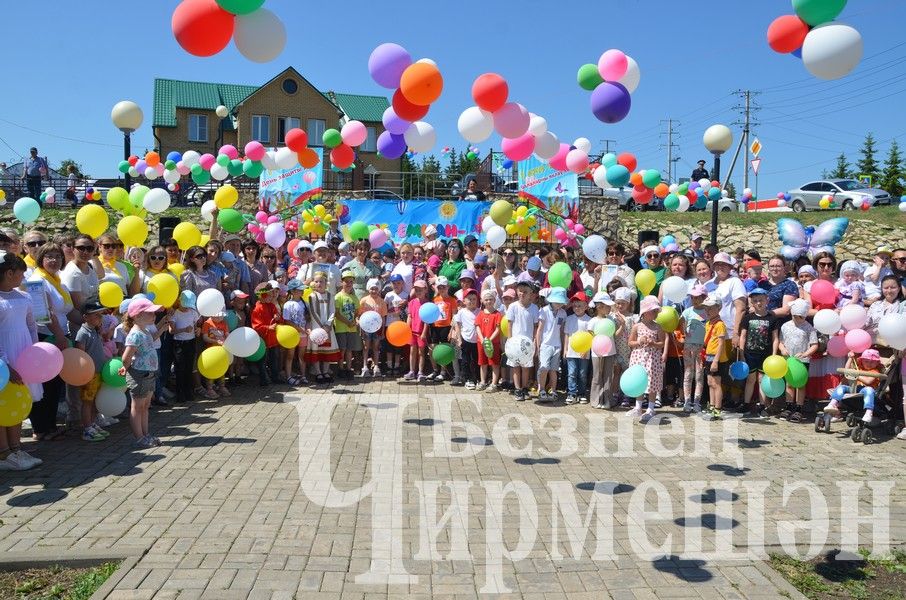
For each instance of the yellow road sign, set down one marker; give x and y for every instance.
(755, 148)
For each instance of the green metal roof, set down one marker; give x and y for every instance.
(361, 108)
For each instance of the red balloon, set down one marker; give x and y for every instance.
(201, 27)
(715, 184)
(342, 156)
(692, 196)
(490, 92)
(293, 244)
(132, 160)
(406, 110)
(642, 196)
(865, 206)
(627, 160)
(787, 33)
(823, 292)
(296, 140)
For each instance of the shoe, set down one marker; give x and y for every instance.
(410, 376)
(376, 372)
(902, 435)
(625, 404)
(422, 377)
(715, 414)
(521, 395)
(438, 377)
(482, 386)
(159, 402)
(832, 409)
(600, 406)
(105, 421)
(365, 372)
(90, 434)
(796, 417)
(697, 406)
(144, 442)
(867, 417)
(211, 394)
(470, 385)
(491, 388)
(687, 406)
(635, 412)
(224, 392)
(570, 399)
(456, 381)
(583, 400)
(657, 404)
(18, 461)
(167, 394)
(101, 431)
(156, 440)
(647, 416)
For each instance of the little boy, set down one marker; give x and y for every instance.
(265, 318)
(523, 319)
(758, 340)
(798, 338)
(214, 332)
(183, 329)
(236, 317)
(717, 356)
(487, 324)
(577, 365)
(372, 341)
(345, 326)
(464, 333)
(549, 341)
(88, 339)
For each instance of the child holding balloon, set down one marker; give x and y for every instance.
(140, 367)
(488, 334)
(798, 338)
(647, 340)
(371, 340)
(294, 315)
(214, 332)
(716, 353)
(418, 348)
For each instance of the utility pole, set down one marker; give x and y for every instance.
(670, 146)
(607, 144)
(747, 109)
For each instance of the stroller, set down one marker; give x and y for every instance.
(887, 408)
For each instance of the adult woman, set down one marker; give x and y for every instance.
(197, 277)
(825, 265)
(65, 241)
(251, 254)
(405, 267)
(511, 262)
(615, 268)
(732, 294)
(269, 260)
(15, 244)
(362, 267)
(81, 276)
(32, 242)
(116, 270)
(494, 279)
(823, 369)
(155, 263)
(891, 302)
(781, 289)
(704, 275)
(453, 266)
(575, 285)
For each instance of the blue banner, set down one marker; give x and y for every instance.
(541, 184)
(407, 219)
(283, 188)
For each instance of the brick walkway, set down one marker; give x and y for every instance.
(237, 503)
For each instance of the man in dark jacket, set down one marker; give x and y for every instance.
(701, 172)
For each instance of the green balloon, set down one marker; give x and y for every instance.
(588, 77)
(123, 166)
(137, 195)
(202, 177)
(231, 220)
(252, 169)
(560, 275)
(796, 373)
(471, 156)
(235, 167)
(332, 138)
(817, 12)
(772, 388)
(196, 169)
(358, 230)
(683, 189)
(110, 373)
(170, 165)
(240, 7)
(605, 327)
(223, 160)
(443, 354)
(259, 353)
(671, 202)
(651, 178)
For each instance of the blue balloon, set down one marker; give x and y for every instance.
(507, 164)
(429, 313)
(667, 239)
(634, 381)
(610, 159)
(4, 374)
(797, 53)
(744, 200)
(714, 194)
(773, 388)
(174, 156)
(739, 370)
(787, 196)
(701, 203)
(903, 198)
(617, 176)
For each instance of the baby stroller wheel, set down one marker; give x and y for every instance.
(819, 424)
(868, 437)
(856, 434)
(897, 429)
(851, 419)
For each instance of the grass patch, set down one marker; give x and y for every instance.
(55, 583)
(825, 578)
(886, 215)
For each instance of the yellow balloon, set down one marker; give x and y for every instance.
(520, 212)
(511, 229)
(110, 294)
(204, 239)
(287, 336)
(308, 226)
(118, 198)
(213, 362)
(668, 319)
(186, 235)
(581, 341)
(226, 196)
(2, 194)
(306, 294)
(501, 212)
(92, 220)
(645, 281)
(823, 203)
(505, 326)
(320, 210)
(165, 289)
(132, 230)
(15, 404)
(177, 269)
(774, 367)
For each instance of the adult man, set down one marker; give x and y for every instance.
(34, 169)
(233, 243)
(898, 266)
(732, 294)
(701, 172)
(695, 246)
(470, 245)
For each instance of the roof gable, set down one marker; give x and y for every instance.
(170, 94)
(358, 107)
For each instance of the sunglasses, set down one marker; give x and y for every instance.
(613, 254)
(35, 244)
(899, 258)
(111, 246)
(66, 244)
(268, 256)
(825, 264)
(158, 257)
(197, 256)
(85, 248)
(509, 253)
(652, 255)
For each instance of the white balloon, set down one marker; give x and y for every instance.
(595, 249)
(219, 172)
(207, 210)
(546, 145)
(902, 207)
(892, 329)
(475, 125)
(151, 173)
(487, 223)
(133, 172)
(156, 201)
(209, 302)
(285, 158)
(747, 192)
(50, 191)
(583, 144)
(427, 61)
(242, 342)
(496, 236)
(827, 321)
(704, 182)
(171, 187)
(673, 187)
(171, 176)
(269, 160)
(190, 157)
(537, 124)
(781, 203)
(853, 316)
(370, 321)
(519, 348)
(674, 289)
(420, 136)
(318, 336)
(632, 77)
(683, 204)
(725, 193)
(110, 401)
(832, 50)
(259, 36)
(600, 177)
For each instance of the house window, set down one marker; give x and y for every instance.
(290, 86)
(261, 128)
(284, 124)
(316, 128)
(198, 128)
(370, 144)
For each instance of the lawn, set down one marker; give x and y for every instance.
(825, 578)
(54, 583)
(887, 215)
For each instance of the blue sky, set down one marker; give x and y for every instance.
(76, 59)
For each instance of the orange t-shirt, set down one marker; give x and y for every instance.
(447, 308)
(874, 382)
(215, 331)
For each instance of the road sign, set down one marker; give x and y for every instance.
(756, 162)
(755, 148)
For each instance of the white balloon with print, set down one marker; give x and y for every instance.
(370, 321)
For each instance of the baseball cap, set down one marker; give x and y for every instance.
(321, 245)
(579, 297)
(467, 274)
(711, 300)
(374, 282)
(601, 298)
(343, 247)
(622, 294)
(696, 236)
(799, 308)
(227, 256)
(480, 259)
(93, 307)
(749, 264)
(534, 264)
(187, 298)
(441, 281)
(871, 354)
(396, 277)
(469, 239)
(883, 250)
(294, 284)
(508, 280)
(142, 305)
(469, 292)
(758, 292)
(557, 295)
(232, 237)
(698, 290)
(346, 274)
(240, 294)
(305, 245)
(723, 257)
(509, 294)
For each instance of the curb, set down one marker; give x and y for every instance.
(87, 558)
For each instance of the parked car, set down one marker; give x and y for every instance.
(624, 197)
(844, 193)
(725, 205)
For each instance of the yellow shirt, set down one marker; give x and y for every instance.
(715, 334)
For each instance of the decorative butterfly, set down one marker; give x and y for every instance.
(798, 240)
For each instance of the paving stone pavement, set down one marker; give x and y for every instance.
(387, 490)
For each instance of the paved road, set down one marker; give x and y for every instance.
(432, 495)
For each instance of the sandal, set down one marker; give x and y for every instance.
(53, 436)
(796, 417)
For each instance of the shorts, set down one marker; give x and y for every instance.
(89, 391)
(484, 359)
(418, 341)
(371, 337)
(723, 368)
(140, 383)
(349, 341)
(549, 358)
(673, 371)
(755, 362)
(439, 335)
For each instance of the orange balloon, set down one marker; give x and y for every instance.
(421, 83)
(308, 158)
(661, 190)
(152, 158)
(399, 334)
(78, 368)
(405, 109)
(635, 179)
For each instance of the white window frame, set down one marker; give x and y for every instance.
(370, 143)
(197, 132)
(257, 121)
(287, 123)
(315, 138)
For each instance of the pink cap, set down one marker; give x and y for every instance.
(649, 303)
(142, 305)
(871, 354)
(509, 294)
(698, 290)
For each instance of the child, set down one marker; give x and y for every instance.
(347, 329)
(108, 327)
(88, 339)
(214, 332)
(602, 366)
(321, 315)
(395, 308)
(439, 331)
(436, 256)
(140, 367)
(265, 318)
(549, 341)
(850, 286)
(465, 335)
(577, 365)
(294, 315)
(488, 333)
(869, 361)
(523, 319)
(758, 340)
(647, 341)
(372, 341)
(692, 322)
(717, 356)
(236, 317)
(800, 339)
(183, 328)
(418, 348)
(623, 317)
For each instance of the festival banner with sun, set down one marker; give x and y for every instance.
(406, 220)
(283, 188)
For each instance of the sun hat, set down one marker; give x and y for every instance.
(419, 283)
(187, 298)
(723, 257)
(142, 305)
(293, 284)
(799, 308)
(430, 230)
(557, 295)
(853, 266)
(883, 250)
(374, 282)
(649, 303)
(240, 294)
(489, 295)
(321, 245)
(698, 290)
(441, 281)
(601, 298)
(509, 294)
(807, 270)
(871, 354)
(508, 280)
(467, 274)
(346, 274)
(622, 294)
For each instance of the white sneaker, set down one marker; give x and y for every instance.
(902, 435)
(583, 400)
(16, 462)
(635, 412)
(470, 385)
(649, 414)
(365, 372)
(376, 372)
(34, 460)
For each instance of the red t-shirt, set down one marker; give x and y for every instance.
(263, 316)
(488, 323)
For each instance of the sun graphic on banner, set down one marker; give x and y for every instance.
(447, 210)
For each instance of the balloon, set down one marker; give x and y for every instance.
(387, 64)
(519, 348)
(156, 200)
(651, 178)
(240, 7)
(354, 133)
(407, 110)
(110, 374)
(739, 370)
(520, 148)
(823, 292)
(117, 198)
(816, 12)
(443, 354)
(78, 368)
(260, 36)
(358, 230)
(15, 404)
(505, 327)
(560, 275)
(296, 140)
(490, 92)
(605, 327)
(773, 388)
(287, 336)
(399, 334)
(242, 342)
(892, 329)
(546, 146)
(186, 235)
(645, 280)
(537, 125)
(501, 212)
(39, 362)
(832, 50)
(429, 312)
(617, 176)
(581, 341)
(332, 138)
(421, 83)
(634, 381)
(377, 238)
(674, 289)
(836, 346)
(342, 156)
(370, 321)
(787, 33)
(92, 220)
(511, 120)
(668, 319)
(610, 102)
(110, 401)
(318, 336)
(214, 361)
(259, 353)
(165, 289)
(612, 65)
(27, 210)
(201, 27)
(132, 230)
(420, 136)
(601, 345)
(286, 158)
(4, 373)
(231, 220)
(110, 294)
(210, 302)
(393, 123)
(796, 374)
(827, 321)
(632, 77)
(226, 196)
(853, 316)
(308, 158)
(588, 77)
(390, 145)
(576, 160)
(774, 367)
(857, 340)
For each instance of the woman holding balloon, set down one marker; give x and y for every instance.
(822, 294)
(116, 270)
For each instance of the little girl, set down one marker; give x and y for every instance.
(647, 341)
(372, 341)
(850, 286)
(692, 322)
(418, 347)
(487, 324)
(140, 367)
(602, 367)
(294, 315)
(624, 319)
(183, 327)
(321, 314)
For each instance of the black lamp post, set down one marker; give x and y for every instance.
(717, 139)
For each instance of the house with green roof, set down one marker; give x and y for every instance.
(185, 119)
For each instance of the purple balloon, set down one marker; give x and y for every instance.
(141, 165)
(610, 102)
(393, 123)
(387, 63)
(390, 145)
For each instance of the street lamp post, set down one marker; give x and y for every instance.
(717, 139)
(127, 117)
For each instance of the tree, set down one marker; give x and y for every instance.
(867, 165)
(841, 170)
(731, 190)
(63, 169)
(892, 177)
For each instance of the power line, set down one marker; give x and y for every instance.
(748, 109)
(62, 137)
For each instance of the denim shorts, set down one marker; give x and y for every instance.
(549, 358)
(140, 383)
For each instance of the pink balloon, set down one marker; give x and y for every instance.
(559, 160)
(576, 161)
(858, 340)
(207, 161)
(377, 238)
(568, 222)
(511, 120)
(354, 133)
(579, 228)
(39, 363)
(612, 65)
(560, 234)
(159, 168)
(273, 219)
(601, 345)
(309, 177)
(229, 150)
(259, 237)
(182, 169)
(261, 216)
(823, 292)
(253, 228)
(519, 148)
(836, 346)
(255, 150)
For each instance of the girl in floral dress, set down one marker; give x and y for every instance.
(647, 342)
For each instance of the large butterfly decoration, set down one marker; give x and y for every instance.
(799, 241)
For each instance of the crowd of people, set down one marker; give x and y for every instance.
(741, 307)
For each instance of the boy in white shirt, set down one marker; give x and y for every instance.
(522, 316)
(465, 335)
(549, 340)
(577, 365)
